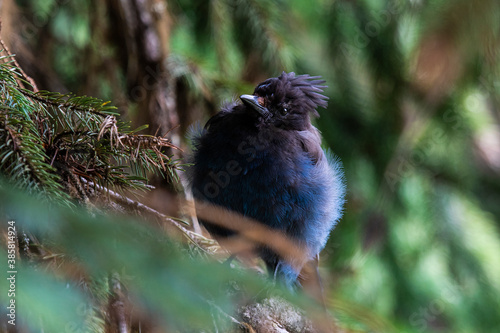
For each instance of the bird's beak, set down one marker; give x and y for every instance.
(253, 102)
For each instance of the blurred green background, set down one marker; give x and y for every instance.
(414, 114)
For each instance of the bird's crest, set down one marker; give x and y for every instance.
(303, 90)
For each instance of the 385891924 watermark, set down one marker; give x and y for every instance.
(11, 271)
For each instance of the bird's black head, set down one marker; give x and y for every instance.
(287, 101)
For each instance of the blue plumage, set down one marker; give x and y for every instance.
(263, 159)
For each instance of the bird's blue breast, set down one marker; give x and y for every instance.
(262, 178)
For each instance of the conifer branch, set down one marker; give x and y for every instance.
(49, 141)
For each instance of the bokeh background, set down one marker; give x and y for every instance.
(414, 114)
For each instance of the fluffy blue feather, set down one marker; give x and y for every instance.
(263, 159)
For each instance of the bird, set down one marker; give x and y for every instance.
(262, 158)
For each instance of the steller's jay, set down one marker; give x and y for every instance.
(263, 159)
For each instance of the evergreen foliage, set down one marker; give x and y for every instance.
(49, 140)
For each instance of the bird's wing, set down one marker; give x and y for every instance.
(310, 141)
(215, 120)
(232, 115)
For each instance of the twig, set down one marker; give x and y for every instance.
(215, 306)
(117, 305)
(191, 236)
(58, 104)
